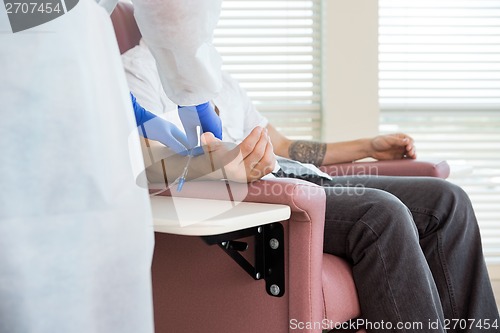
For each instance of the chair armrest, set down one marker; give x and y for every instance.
(301, 196)
(305, 230)
(439, 169)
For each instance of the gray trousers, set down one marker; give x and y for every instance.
(415, 251)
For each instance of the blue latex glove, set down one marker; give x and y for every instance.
(155, 128)
(202, 115)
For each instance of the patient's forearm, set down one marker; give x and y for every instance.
(319, 153)
(348, 151)
(307, 151)
(169, 169)
(164, 166)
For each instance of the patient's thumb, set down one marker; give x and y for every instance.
(208, 138)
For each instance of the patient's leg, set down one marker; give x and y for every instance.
(406, 237)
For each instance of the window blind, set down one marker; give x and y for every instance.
(273, 49)
(439, 80)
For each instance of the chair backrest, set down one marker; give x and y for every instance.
(127, 32)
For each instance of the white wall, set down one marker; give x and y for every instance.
(350, 69)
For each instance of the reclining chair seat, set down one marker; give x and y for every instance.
(198, 288)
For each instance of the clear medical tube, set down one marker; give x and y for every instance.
(182, 178)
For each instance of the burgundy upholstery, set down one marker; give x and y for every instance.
(439, 169)
(200, 282)
(198, 288)
(126, 29)
(221, 297)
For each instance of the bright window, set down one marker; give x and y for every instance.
(273, 49)
(439, 79)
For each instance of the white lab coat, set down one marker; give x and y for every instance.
(76, 235)
(179, 34)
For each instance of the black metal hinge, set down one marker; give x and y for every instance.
(269, 254)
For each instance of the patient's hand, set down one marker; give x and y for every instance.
(249, 161)
(392, 147)
(252, 159)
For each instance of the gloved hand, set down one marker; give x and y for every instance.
(202, 115)
(155, 128)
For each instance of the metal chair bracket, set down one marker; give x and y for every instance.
(269, 254)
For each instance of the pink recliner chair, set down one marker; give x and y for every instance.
(199, 288)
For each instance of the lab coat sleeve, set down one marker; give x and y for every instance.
(179, 34)
(76, 235)
(144, 82)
